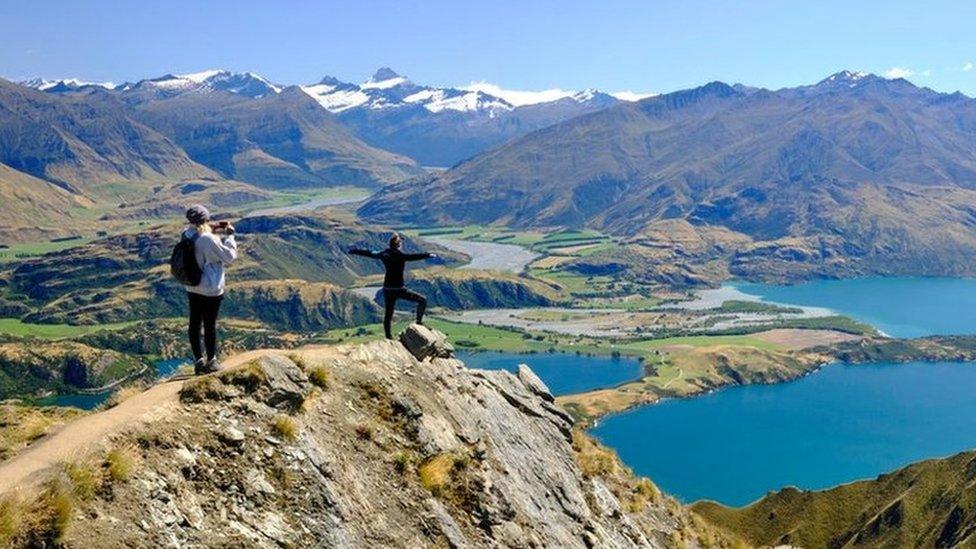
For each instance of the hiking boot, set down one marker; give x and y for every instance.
(199, 366)
(211, 366)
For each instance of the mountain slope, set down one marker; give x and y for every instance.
(85, 142)
(31, 204)
(880, 164)
(927, 504)
(390, 452)
(278, 140)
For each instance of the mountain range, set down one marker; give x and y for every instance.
(77, 143)
(441, 126)
(106, 144)
(435, 126)
(856, 174)
(856, 166)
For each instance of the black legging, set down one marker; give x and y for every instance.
(389, 302)
(203, 313)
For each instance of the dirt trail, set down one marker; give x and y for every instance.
(83, 435)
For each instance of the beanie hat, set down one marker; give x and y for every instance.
(197, 214)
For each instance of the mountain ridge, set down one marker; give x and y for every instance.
(879, 164)
(348, 427)
(433, 125)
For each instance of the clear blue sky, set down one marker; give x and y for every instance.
(655, 46)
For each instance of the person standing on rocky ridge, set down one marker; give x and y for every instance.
(213, 253)
(394, 288)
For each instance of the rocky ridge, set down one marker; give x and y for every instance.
(367, 446)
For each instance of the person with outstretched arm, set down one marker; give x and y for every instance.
(395, 261)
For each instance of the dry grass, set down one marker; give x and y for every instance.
(319, 376)
(11, 517)
(121, 462)
(448, 477)
(642, 494)
(299, 361)
(36, 427)
(85, 478)
(249, 377)
(20, 426)
(202, 389)
(44, 519)
(435, 472)
(594, 460)
(286, 427)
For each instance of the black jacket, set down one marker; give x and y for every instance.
(394, 261)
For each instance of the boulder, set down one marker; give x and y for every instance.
(232, 436)
(424, 343)
(533, 383)
(287, 384)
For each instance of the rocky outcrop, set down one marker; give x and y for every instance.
(424, 343)
(367, 446)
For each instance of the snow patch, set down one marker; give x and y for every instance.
(202, 76)
(384, 84)
(336, 100)
(628, 95)
(519, 98)
(44, 85)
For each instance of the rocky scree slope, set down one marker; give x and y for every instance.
(365, 446)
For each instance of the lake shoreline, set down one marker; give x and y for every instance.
(812, 434)
(858, 353)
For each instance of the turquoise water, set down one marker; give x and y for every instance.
(164, 369)
(564, 373)
(839, 424)
(900, 307)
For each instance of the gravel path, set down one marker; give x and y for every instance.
(85, 435)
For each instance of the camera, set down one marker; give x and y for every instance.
(222, 227)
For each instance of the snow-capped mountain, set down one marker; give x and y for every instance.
(435, 126)
(64, 84)
(241, 83)
(387, 90)
(520, 98)
(440, 126)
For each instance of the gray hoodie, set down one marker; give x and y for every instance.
(213, 254)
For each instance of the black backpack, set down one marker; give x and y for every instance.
(183, 263)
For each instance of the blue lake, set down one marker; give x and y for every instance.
(90, 401)
(839, 424)
(564, 373)
(900, 307)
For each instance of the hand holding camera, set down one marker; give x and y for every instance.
(224, 227)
